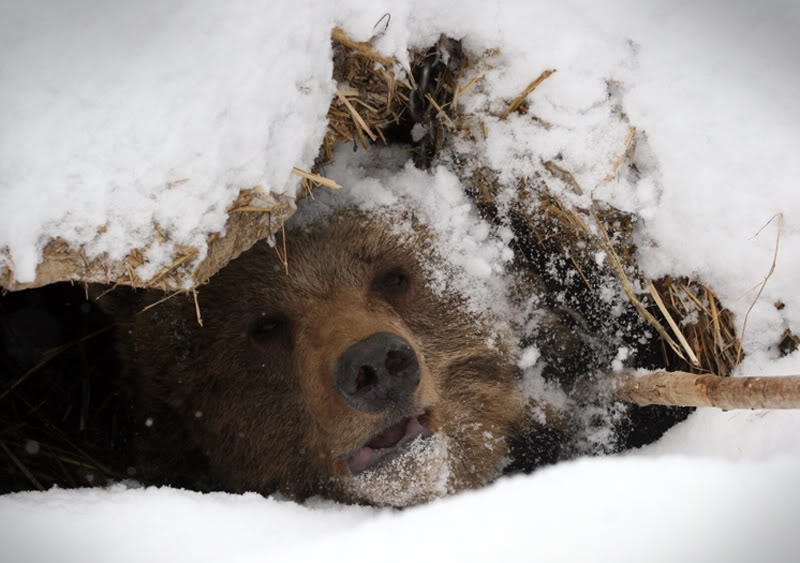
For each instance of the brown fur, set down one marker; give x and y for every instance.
(261, 411)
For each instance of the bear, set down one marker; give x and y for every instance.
(343, 375)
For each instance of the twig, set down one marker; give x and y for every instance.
(388, 17)
(107, 291)
(470, 84)
(619, 270)
(284, 257)
(580, 272)
(440, 110)
(565, 175)
(174, 266)
(256, 208)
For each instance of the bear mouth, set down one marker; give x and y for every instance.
(389, 442)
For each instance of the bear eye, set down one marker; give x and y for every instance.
(267, 326)
(393, 281)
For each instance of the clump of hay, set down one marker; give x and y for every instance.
(377, 102)
(373, 101)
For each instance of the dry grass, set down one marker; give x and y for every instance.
(697, 333)
(763, 284)
(375, 95)
(373, 100)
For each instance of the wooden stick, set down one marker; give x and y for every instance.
(685, 389)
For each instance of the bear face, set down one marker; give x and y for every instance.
(348, 376)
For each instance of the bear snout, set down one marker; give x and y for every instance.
(379, 373)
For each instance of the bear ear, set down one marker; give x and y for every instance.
(121, 302)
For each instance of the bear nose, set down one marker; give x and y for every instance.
(378, 373)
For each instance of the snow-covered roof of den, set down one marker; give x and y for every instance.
(129, 131)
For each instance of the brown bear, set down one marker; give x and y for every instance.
(346, 377)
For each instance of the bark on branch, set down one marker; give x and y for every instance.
(680, 388)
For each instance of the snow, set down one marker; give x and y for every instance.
(623, 509)
(123, 524)
(474, 262)
(716, 92)
(233, 95)
(529, 357)
(120, 117)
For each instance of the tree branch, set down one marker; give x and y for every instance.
(685, 389)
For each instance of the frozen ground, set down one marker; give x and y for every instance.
(93, 135)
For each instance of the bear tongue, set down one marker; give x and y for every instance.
(398, 434)
(371, 452)
(389, 437)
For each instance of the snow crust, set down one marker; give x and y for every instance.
(93, 136)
